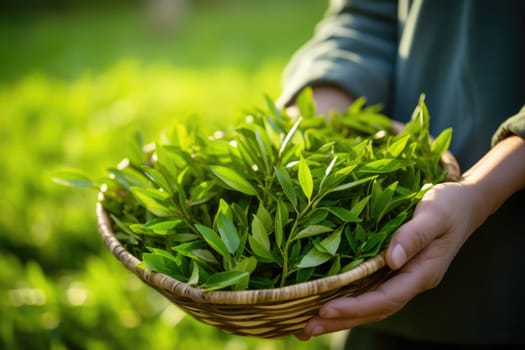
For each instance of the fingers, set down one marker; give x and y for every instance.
(429, 222)
(373, 306)
(346, 313)
(421, 251)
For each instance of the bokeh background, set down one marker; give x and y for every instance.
(77, 79)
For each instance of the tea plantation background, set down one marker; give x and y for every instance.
(77, 80)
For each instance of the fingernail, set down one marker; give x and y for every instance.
(317, 330)
(399, 256)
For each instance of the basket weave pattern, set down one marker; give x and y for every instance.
(265, 313)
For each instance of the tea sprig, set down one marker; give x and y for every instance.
(275, 201)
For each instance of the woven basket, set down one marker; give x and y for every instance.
(265, 313)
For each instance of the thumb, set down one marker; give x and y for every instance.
(416, 234)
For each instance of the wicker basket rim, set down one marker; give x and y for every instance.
(183, 290)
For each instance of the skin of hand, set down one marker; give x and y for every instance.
(422, 249)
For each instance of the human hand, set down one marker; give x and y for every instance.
(421, 252)
(327, 98)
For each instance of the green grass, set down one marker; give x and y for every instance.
(74, 87)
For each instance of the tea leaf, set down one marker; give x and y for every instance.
(167, 162)
(281, 218)
(374, 243)
(272, 108)
(395, 149)
(358, 207)
(151, 200)
(441, 143)
(289, 136)
(305, 178)
(259, 250)
(380, 199)
(313, 258)
(286, 184)
(202, 193)
(194, 277)
(228, 233)
(343, 214)
(187, 248)
(265, 217)
(259, 233)
(304, 274)
(184, 237)
(385, 165)
(349, 185)
(360, 233)
(136, 154)
(353, 264)
(233, 179)
(162, 226)
(312, 230)
(160, 263)
(246, 264)
(315, 216)
(351, 239)
(204, 255)
(157, 178)
(221, 280)
(393, 224)
(336, 267)
(327, 172)
(213, 239)
(263, 148)
(332, 242)
(129, 177)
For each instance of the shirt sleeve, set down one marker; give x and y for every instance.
(354, 47)
(514, 125)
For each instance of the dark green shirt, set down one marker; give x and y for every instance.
(468, 57)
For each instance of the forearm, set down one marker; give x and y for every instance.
(499, 174)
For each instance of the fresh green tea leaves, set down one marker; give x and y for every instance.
(228, 233)
(260, 234)
(233, 179)
(441, 143)
(395, 149)
(154, 201)
(225, 279)
(313, 258)
(305, 178)
(213, 239)
(260, 250)
(289, 136)
(312, 230)
(385, 165)
(286, 185)
(273, 201)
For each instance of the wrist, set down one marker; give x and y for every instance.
(499, 174)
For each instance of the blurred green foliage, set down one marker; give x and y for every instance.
(74, 87)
